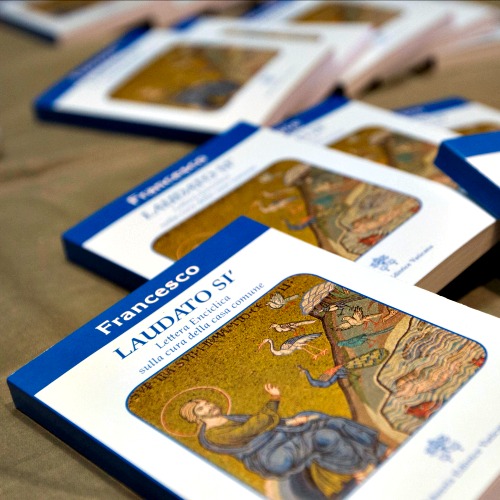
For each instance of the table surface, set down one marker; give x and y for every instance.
(52, 176)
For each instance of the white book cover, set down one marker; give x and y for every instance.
(404, 225)
(456, 113)
(62, 20)
(368, 131)
(402, 31)
(348, 40)
(470, 19)
(176, 83)
(261, 366)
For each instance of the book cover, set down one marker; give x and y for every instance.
(481, 47)
(168, 12)
(183, 85)
(348, 41)
(264, 366)
(473, 162)
(371, 132)
(62, 20)
(473, 34)
(399, 223)
(456, 113)
(402, 31)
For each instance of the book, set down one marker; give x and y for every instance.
(403, 32)
(472, 35)
(348, 41)
(169, 12)
(456, 113)
(465, 117)
(472, 161)
(178, 84)
(403, 225)
(479, 48)
(62, 21)
(265, 366)
(368, 131)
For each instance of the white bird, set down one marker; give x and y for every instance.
(288, 327)
(358, 318)
(274, 206)
(295, 344)
(277, 300)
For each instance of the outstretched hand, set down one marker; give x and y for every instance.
(272, 390)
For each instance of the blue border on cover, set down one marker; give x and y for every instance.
(86, 340)
(104, 268)
(476, 144)
(45, 101)
(312, 114)
(88, 446)
(432, 106)
(452, 159)
(120, 207)
(118, 125)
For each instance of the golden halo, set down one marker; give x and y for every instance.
(169, 403)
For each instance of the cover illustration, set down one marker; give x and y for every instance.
(194, 76)
(340, 214)
(346, 12)
(395, 149)
(307, 391)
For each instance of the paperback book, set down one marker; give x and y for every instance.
(473, 161)
(456, 113)
(348, 40)
(178, 84)
(371, 132)
(470, 35)
(403, 225)
(481, 47)
(274, 368)
(473, 35)
(62, 20)
(403, 31)
(67, 20)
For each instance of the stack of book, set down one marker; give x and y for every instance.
(283, 336)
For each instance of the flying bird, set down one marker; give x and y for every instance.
(277, 300)
(288, 327)
(358, 318)
(296, 344)
(274, 206)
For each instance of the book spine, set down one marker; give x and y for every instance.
(101, 266)
(312, 114)
(432, 106)
(94, 450)
(481, 189)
